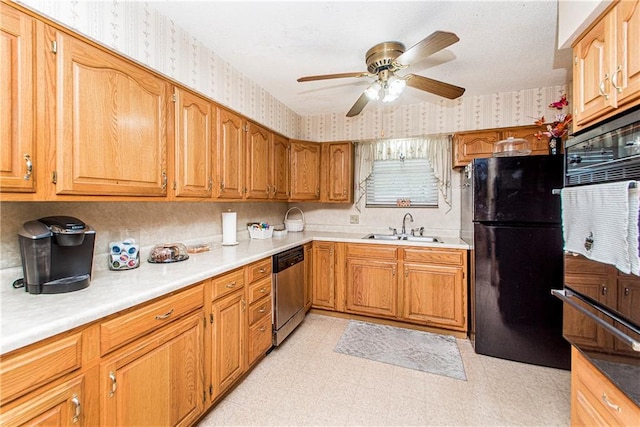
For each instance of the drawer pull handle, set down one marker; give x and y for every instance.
(263, 270)
(75, 400)
(601, 87)
(263, 290)
(263, 329)
(231, 285)
(262, 309)
(611, 405)
(114, 384)
(164, 316)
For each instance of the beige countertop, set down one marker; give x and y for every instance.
(27, 318)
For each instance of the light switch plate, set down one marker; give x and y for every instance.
(354, 219)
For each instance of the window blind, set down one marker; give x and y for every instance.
(411, 179)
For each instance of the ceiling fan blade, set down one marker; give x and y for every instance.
(334, 76)
(358, 106)
(436, 87)
(428, 46)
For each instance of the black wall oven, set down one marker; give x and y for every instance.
(601, 305)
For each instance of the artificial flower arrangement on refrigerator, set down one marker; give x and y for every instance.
(558, 128)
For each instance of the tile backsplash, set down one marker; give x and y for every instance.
(153, 222)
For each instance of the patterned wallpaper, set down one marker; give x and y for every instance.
(137, 30)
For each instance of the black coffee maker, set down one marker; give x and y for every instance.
(57, 254)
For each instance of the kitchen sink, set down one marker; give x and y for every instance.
(407, 237)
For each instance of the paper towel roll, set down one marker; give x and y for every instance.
(229, 228)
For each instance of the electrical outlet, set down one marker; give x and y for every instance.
(354, 219)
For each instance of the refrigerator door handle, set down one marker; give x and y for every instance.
(556, 191)
(566, 297)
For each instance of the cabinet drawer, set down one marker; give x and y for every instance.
(260, 339)
(40, 364)
(127, 327)
(259, 310)
(260, 289)
(258, 270)
(378, 252)
(597, 392)
(227, 283)
(434, 256)
(581, 265)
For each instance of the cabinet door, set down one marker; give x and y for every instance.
(258, 162)
(17, 102)
(59, 406)
(308, 275)
(338, 172)
(471, 145)
(230, 154)
(537, 146)
(434, 295)
(156, 380)
(371, 287)
(626, 74)
(229, 324)
(592, 94)
(194, 130)
(628, 292)
(576, 326)
(305, 170)
(280, 168)
(323, 275)
(111, 133)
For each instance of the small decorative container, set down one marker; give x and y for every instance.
(257, 231)
(168, 252)
(294, 224)
(124, 255)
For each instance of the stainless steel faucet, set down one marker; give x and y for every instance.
(404, 220)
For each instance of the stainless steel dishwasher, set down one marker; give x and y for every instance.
(288, 292)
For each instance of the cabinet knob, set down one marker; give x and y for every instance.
(604, 289)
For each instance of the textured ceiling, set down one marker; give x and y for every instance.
(504, 46)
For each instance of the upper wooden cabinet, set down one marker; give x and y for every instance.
(17, 103)
(111, 122)
(480, 143)
(230, 153)
(337, 172)
(195, 121)
(280, 168)
(606, 66)
(258, 165)
(305, 170)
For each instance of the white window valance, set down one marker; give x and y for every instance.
(435, 148)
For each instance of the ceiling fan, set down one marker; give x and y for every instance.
(385, 59)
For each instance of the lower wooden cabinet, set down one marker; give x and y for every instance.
(58, 406)
(228, 342)
(158, 379)
(371, 286)
(595, 401)
(308, 275)
(324, 287)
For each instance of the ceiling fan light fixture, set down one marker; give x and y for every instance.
(373, 91)
(393, 88)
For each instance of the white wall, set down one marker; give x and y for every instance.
(575, 16)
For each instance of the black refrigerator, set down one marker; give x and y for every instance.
(517, 259)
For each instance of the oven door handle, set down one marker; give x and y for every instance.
(566, 296)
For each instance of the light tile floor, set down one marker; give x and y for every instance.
(304, 382)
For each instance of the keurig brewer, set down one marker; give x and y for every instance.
(57, 254)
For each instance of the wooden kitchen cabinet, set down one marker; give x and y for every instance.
(260, 302)
(324, 282)
(195, 121)
(371, 286)
(308, 276)
(18, 102)
(606, 66)
(61, 405)
(434, 287)
(230, 155)
(158, 379)
(595, 400)
(280, 168)
(337, 172)
(111, 122)
(305, 171)
(480, 144)
(258, 164)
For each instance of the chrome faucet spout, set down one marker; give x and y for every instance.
(404, 220)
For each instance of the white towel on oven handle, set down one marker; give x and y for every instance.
(606, 215)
